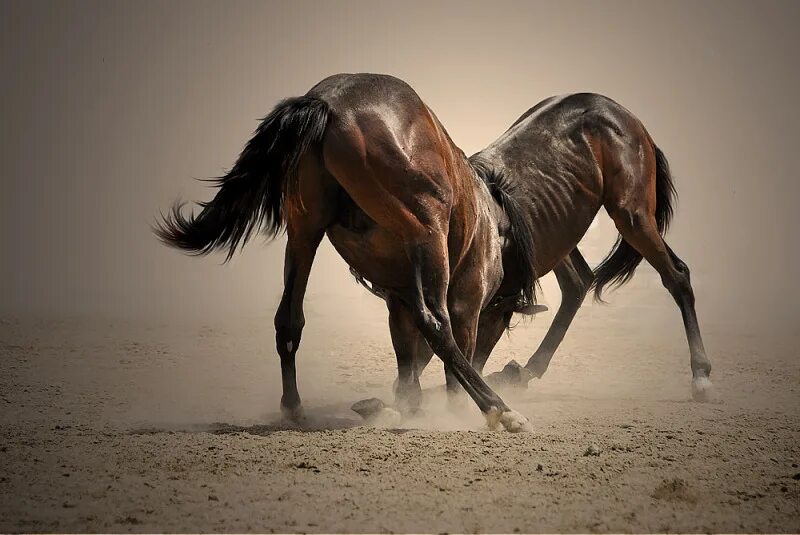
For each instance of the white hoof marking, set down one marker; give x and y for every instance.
(493, 418)
(702, 389)
(514, 422)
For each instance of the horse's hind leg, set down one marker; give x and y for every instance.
(640, 230)
(409, 347)
(574, 278)
(289, 319)
(465, 296)
(491, 326)
(305, 229)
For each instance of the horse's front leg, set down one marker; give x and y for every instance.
(289, 319)
(433, 317)
(574, 278)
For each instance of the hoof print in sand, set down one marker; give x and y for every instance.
(674, 490)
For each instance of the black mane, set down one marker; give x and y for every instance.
(504, 191)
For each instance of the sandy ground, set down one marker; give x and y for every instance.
(145, 426)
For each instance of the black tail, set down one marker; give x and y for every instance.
(251, 196)
(620, 264)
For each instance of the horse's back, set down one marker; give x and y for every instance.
(385, 148)
(352, 95)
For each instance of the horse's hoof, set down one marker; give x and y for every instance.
(514, 422)
(293, 414)
(512, 375)
(511, 420)
(518, 376)
(702, 389)
(415, 412)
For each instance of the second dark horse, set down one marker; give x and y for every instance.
(454, 244)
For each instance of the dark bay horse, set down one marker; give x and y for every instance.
(563, 160)
(448, 241)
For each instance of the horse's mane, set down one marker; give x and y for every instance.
(506, 192)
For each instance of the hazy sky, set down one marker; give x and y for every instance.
(110, 109)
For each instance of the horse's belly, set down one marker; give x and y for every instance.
(374, 253)
(555, 237)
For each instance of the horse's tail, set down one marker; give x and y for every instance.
(252, 194)
(618, 267)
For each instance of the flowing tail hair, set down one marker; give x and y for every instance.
(619, 266)
(252, 194)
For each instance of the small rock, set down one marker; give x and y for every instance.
(592, 451)
(539, 468)
(212, 498)
(368, 408)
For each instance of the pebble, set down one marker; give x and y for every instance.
(592, 451)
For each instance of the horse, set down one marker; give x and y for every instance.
(453, 244)
(563, 160)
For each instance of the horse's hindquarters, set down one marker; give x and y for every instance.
(374, 253)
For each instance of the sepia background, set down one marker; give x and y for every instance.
(139, 387)
(111, 109)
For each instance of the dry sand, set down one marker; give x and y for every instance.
(139, 426)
